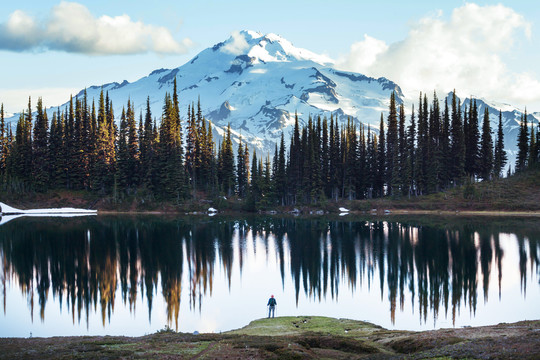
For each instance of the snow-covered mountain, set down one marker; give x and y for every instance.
(257, 82)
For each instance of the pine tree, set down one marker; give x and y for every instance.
(538, 143)
(533, 148)
(279, 180)
(325, 158)
(255, 182)
(40, 174)
(123, 174)
(295, 162)
(147, 149)
(457, 145)
(210, 159)
(350, 158)
(3, 147)
(434, 154)
(191, 145)
(241, 171)
(392, 148)
(410, 173)
(381, 161)
(444, 145)
(472, 135)
(102, 172)
(403, 153)
(56, 150)
(226, 171)
(132, 147)
(486, 148)
(523, 145)
(371, 164)
(500, 157)
(334, 161)
(21, 154)
(361, 177)
(422, 151)
(170, 173)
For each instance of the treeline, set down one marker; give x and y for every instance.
(82, 148)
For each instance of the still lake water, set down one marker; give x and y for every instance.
(135, 275)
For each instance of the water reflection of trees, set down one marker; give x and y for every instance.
(85, 262)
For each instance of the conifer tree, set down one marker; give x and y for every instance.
(132, 147)
(315, 158)
(295, 161)
(170, 152)
(40, 175)
(279, 173)
(533, 148)
(23, 152)
(350, 149)
(500, 157)
(457, 145)
(325, 158)
(434, 155)
(3, 147)
(523, 144)
(392, 148)
(422, 152)
(56, 150)
(371, 164)
(103, 164)
(191, 145)
(444, 145)
(403, 153)
(255, 182)
(381, 161)
(486, 149)
(123, 174)
(227, 169)
(361, 177)
(410, 173)
(21, 155)
(147, 149)
(472, 135)
(241, 171)
(334, 161)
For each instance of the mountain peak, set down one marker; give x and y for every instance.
(268, 48)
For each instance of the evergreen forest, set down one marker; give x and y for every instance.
(85, 148)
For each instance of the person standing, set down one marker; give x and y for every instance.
(271, 305)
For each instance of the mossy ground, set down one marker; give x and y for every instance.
(519, 193)
(303, 337)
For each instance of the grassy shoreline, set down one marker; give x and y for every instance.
(518, 195)
(301, 337)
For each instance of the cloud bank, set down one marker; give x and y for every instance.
(236, 45)
(70, 27)
(464, 52)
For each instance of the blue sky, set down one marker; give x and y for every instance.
(489, 49)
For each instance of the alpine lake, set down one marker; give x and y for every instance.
(134, 275)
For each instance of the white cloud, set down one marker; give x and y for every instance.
(236, 44)
(71, 27)
(464, 52)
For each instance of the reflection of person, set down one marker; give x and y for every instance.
(271, 305)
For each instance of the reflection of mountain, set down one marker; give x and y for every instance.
(87, 261)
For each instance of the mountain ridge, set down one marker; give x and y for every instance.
(257, 83)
